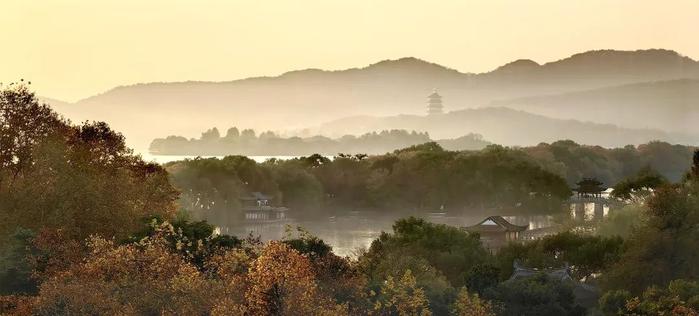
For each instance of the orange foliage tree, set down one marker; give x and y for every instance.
(402, 297)
(468, 304)
(152, 277)
(138, 278)
(282, 282)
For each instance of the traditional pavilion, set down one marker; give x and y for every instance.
(434, 103)
(495, 232)
(589, 188)
(258, 206)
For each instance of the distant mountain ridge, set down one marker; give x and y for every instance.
(637, 62)
(507, 127)
(297, 99)
(668, 105)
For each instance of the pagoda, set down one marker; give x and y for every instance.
(434, 105)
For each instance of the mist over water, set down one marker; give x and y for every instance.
(349, 158)
(610, 98)
(347, 233)
(163, 159)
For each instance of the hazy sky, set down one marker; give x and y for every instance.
(74, 49)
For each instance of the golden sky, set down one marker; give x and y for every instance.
(74, 49)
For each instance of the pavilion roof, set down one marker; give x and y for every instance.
(495, 224)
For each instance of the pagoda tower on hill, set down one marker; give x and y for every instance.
(434, 105)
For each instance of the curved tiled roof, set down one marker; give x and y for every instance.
(495, 224)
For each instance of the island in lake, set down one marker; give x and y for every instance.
(247, 142)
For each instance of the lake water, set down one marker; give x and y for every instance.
(347, 233)
(353, 231)
(162, 159)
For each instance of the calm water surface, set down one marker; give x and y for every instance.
(162, 159)
(348, 233)
(345, 233)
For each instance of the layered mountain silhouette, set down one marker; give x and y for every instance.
(668, 105)
(298, 99)
(506, 127)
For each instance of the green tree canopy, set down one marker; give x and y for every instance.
(78, 178)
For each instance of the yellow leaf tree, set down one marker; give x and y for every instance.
(282, 282)
(402, 297)
(468, 304)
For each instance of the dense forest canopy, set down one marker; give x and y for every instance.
(421, 177)
(574, 162)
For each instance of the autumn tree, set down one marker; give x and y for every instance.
(678, 299)
(136, 278)
(613, 303)
(468, 304)
(662, 249)
(24, 123)
(282, 283)
(230, 268)
(440, 258)
(338, 278)
(16, 305)
(402, 297)
(51, 252)
(196, 241)
(81, 179)
(450, 250)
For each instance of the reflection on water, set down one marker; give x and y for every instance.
(347, 233)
